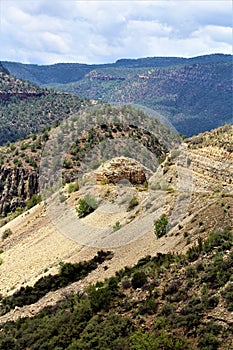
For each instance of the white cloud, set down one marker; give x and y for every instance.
(42, 31)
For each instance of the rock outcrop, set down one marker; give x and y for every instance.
(16, 186)
(123, 168)
(211, 154)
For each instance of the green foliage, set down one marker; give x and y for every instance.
(139, 279)
(208, 342)
(62, 198)
(87, 205)
(34, 107)
(117, 226)
(150, 341)
(132, 203)
(73, 187)
(6, 233)
(68, 273)
(227, 294)
(187, 79)
(106, 316)
(68, 164)
(35, 199)
(161, 224)
(104, 334)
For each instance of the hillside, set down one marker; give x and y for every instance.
(195, 98)
(177, 296)
(64, 73)
(194, 94)
(26, 108)
(20, 161)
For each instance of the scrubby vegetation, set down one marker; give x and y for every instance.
(26, 108)
(25, 156)
(68, 273)
(6, 233)
(167, 306)
(161, 226)
(86, 206)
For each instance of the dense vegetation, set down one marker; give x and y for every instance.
(70, 72)
(26, 108)
(194, 94)
(195, 98)
(163, 302)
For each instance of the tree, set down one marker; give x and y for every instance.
(87, 205)
(139, 279)
(160, 228)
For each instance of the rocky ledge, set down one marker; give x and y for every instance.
(123, 168)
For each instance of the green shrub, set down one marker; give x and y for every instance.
(139, 279)
(117, 226)
(208, 342)
(87, 205)
(132, 203)
(67, 164)
(62, 198)
(228, 296)
(6, 233)
(161, 224)
(35, 199)
(73, 187)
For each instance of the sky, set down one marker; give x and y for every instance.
(52, 31)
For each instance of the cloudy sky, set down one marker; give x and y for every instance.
(51, 31)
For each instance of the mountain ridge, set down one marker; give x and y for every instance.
(194, 94)
(17, 69)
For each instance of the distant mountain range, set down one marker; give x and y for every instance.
(195, 94)
(64, 73)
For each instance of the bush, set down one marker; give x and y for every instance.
(117, 226)
(87, 205)
(35, 199)
(6, 233)
(139, 279)
(208, 341)
(228, 296)
(132, 203)
(160, 228)
(73, 187)
(62, 198)
(68, 274)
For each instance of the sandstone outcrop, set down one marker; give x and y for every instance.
(123, 168)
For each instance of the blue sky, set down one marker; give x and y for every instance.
(52, 31)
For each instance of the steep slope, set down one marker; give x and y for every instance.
(20, 161)
(26, 108)
(210, 201)
(171, 301)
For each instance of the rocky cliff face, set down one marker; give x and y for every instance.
(16, 186)
(211, 154)
(220, 169)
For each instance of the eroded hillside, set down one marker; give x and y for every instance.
(205, 205)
